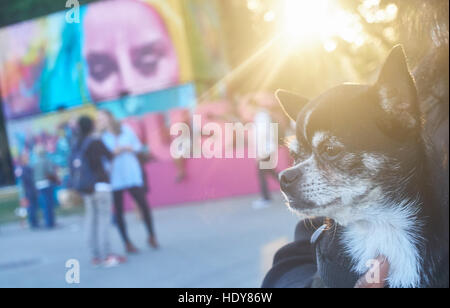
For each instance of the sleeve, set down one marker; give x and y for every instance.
(96, 154)
(99, 150)
(133, 140)
(294, 265)
(107, 140)
(50, 168)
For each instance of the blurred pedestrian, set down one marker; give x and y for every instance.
(90, 178)
(126, 175)
(266, 146)
(45, 178)
(28, 192)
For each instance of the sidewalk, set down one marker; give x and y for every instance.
(215, 244)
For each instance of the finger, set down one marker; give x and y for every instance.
(376, 277)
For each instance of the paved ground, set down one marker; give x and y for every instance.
(215, 244)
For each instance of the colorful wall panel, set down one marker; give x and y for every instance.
(183, 96)
(119, 48)
(53, 132)
(206, 41)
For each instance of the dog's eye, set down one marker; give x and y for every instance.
(330, 151)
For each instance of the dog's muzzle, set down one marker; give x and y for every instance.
(290, 185)
(289, 179)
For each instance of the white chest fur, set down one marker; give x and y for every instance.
(393, 233)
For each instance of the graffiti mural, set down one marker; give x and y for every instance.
(55, 133)
(48, 64)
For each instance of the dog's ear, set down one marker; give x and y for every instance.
(291, 103)
(397, 92)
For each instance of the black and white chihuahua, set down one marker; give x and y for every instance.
(360, 160)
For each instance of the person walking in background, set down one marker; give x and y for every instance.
(126, 175)
(90, 178)
(28, 191)
(266, 144)
(45, 179)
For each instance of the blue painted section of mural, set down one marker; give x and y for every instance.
(178, 97)
(63, 77)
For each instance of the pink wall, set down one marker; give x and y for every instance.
(207, 179)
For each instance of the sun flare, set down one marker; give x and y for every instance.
(320, 21)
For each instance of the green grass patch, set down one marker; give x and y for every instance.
(9, 202)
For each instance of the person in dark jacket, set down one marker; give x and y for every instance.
(98, 200)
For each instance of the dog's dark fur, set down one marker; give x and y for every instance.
(365, 159)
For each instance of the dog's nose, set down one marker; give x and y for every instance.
(289, 177)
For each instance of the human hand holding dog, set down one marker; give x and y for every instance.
(365, 282)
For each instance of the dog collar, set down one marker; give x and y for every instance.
(318, 233)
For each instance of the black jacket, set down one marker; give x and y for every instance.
(97, 154)
(302, 264)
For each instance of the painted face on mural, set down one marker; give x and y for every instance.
(128, 50)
